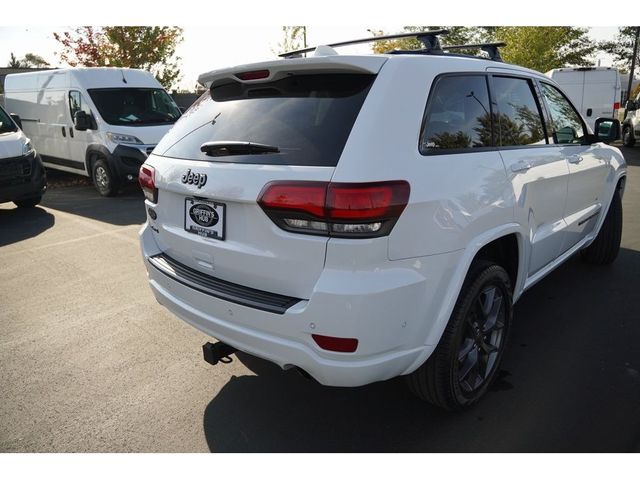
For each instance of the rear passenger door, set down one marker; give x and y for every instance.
(588, 169)
(538, 171)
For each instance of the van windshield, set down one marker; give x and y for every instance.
(135, 106)
(6, 124)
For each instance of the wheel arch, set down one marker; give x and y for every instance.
(95, 151)
(509, 237)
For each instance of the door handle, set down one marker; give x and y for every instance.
(64, 132)
(71, 131)
(520, 167)
(575, 159)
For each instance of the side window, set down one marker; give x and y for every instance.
(566, 124)
(161, 102)
(76, 104)
(519, 121)
(458, 114)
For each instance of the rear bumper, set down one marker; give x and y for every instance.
(21, 187)
(379, 314)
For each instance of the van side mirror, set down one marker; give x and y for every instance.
(16, 119)
(82, 121)
(631, 105)
(607, 129)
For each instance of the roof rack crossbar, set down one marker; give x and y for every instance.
(429, 39)
(490, 48)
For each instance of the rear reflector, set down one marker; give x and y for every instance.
(335, 344)
(147, 180)
(253, 75)
(616, 105)
(337, 209)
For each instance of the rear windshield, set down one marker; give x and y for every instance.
(308, 118)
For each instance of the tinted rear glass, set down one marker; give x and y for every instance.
(458, 114)
(307, 117)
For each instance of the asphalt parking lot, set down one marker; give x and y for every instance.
(90, 362)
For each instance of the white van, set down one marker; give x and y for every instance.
(595, 91)
(98, 122)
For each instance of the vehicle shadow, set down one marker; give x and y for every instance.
(127, 208)
(570, 383)
(18, 224)
(631, 155)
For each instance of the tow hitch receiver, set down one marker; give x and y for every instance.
(217, 352)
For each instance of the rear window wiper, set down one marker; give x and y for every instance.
(222, 149)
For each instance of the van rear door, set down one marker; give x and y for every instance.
(601, 90)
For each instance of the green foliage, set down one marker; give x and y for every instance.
(539, 48)
(146, 48)
(30, 60)
(456, 36)
(545, 48)
(294, 38)
(622, 48)
(14, 62)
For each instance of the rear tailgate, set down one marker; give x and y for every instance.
(255, 252)
(307, 115)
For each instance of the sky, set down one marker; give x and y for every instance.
(208, 48)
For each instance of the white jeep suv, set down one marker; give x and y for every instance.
(365, 217)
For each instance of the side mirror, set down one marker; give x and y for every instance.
(82, 121)
(607, 129)
(16, 118)
(631, 105)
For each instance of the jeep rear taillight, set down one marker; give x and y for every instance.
(147, 180)
(348, 210)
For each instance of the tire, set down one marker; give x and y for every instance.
(606, 245)
(627, 137)
(450, 378)
(103, 178)
(28, 202)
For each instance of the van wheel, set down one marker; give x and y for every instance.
(103, 178)
(627, 137)
(606, 246)
(466, 360)
(28, 202)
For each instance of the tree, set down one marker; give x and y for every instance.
(146, 48)
(545, 48)
(30, 60)
(539, 48)
(14, 62)
(294, 38)
(622, 48)
(456, 36)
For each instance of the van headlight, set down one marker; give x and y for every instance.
(27, 148)
(122, 138)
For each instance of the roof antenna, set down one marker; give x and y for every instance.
(124, 80)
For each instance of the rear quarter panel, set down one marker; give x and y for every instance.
(454, 197)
